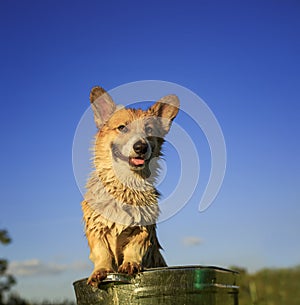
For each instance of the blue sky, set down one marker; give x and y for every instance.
(241, 57)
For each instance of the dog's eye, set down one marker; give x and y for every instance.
(122, 128)
(148, 129)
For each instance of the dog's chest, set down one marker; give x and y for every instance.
(125, 207)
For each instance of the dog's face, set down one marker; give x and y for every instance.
(130, 138)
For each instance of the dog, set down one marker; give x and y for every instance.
(120, 207)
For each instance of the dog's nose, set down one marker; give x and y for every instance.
(140, 147)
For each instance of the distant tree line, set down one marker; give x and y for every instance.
(6, 280)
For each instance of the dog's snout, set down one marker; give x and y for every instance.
(140, 147)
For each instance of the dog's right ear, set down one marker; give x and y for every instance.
(102, 104)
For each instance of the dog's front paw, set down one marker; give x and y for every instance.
(98, 276)
(130, 268)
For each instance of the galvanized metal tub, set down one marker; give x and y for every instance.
(199, 285)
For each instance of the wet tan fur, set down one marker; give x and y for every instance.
(123, 241)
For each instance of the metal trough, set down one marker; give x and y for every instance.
(170, 285)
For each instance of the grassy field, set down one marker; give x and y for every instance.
(270, 287)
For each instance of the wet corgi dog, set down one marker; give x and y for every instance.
(120, 207)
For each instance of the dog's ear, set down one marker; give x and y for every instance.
(167, 109)
(102, 104)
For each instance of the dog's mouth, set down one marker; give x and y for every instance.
(137, 162)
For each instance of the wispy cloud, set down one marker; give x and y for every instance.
(190, 241)
(36, 267)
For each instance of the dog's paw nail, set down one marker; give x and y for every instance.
(98, 276)
(130, 268)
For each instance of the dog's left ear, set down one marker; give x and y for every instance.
(167, 109)
(102, 104)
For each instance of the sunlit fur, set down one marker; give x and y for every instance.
(120, 206)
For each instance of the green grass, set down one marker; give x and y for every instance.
(270, 287)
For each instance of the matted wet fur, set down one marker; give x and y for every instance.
(120, 206)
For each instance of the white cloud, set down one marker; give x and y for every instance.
(35, 267)
(190, 241)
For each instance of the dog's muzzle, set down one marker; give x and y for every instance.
(141, 152)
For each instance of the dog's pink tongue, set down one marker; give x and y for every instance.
(137, 162)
